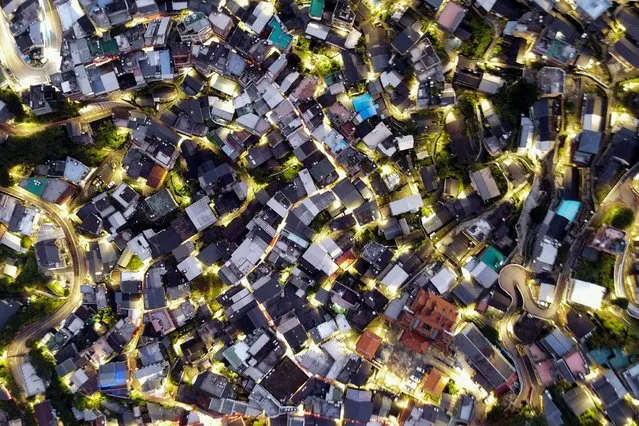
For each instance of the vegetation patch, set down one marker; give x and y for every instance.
(207, 286)
(478, 43)
(614, 333)
(49, 144)
(34, 311)
(511, 102)
(321, 61)
(620, 217)
(601, 272)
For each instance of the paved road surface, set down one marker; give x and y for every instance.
(12, 58)
(18, 348)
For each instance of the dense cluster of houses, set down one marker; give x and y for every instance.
(315, 296)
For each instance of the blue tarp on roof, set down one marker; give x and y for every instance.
(568, 209)
(364, 106)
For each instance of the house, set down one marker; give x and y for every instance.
(494, 372)
(461, 145)
(545, 126)
(113, 378)
(631, 377)
(405, 40)
(33, 384)
(592, 113)
(592, 9)
(588, 147)
(434, 383)
(213, 385)
(626, 52)
(451, 16)
(552, 81)
(411, 203)
(201, 214)
(45, 414)
(430, 178)
(48, 255)
(368, 344)
(586, 294)
(358, 407)
(578, 400)
(484, 183)
(80, 132)
(429, 321)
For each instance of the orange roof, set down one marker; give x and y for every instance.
(414, 341)
(435, 383)
(156, 176)
(367, 345)
(434, 311)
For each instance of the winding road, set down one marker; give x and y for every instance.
(18, 349)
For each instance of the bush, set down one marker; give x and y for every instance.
(135, 263)
(500, 179)
(106, 316)
(622, 302)
(620, 217)
(451, 388)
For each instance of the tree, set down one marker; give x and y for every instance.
(622, 302)
(511, 102)
(496, 413)
(476, 46)
(26, 242)
(451, 388)
(207, 286)
(14, 104)
(106, 135)
(620, 217)
(105, 316)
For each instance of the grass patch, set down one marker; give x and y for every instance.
(135, 263)
(56, 288)
(179, 187)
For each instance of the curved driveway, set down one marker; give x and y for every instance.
(515, 276)
(512, 279)
(18, 348)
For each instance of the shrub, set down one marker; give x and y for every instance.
(620, 217)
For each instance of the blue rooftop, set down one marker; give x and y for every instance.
(364, 106)
(568, 209)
